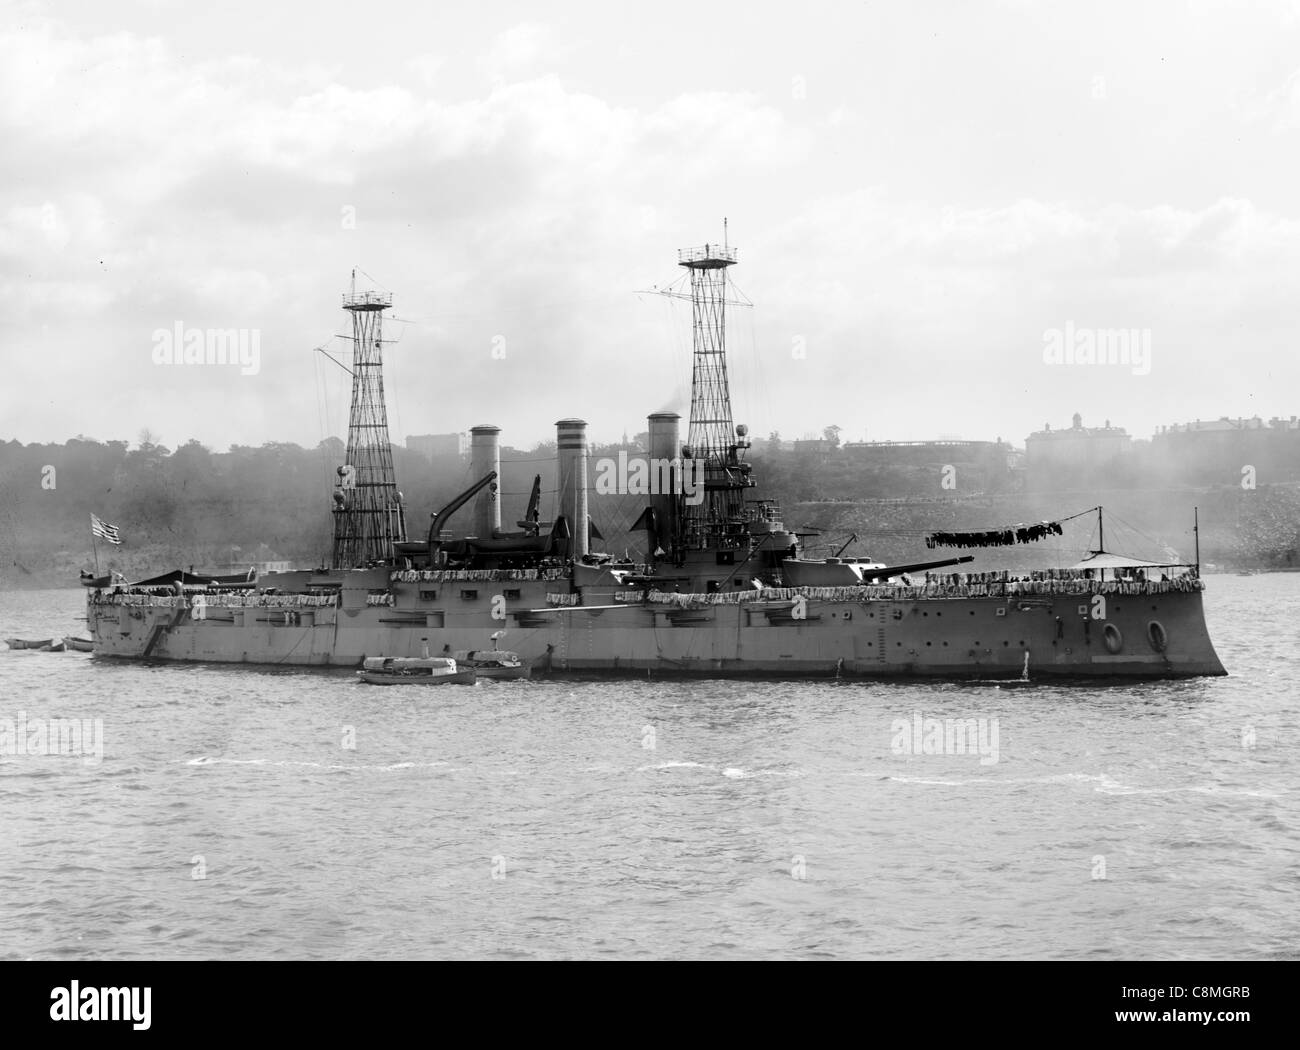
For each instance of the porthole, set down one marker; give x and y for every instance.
(1157, 636)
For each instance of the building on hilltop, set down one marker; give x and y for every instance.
(814, 446)
(262, 559)
(1219, 451)
(1080, 456)
(439, 446)
(929, 453)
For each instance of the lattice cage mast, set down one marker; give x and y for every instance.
(369, 514)
(719, 521)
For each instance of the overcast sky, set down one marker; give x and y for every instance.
(920, 194)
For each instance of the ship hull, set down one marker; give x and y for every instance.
(964, 637)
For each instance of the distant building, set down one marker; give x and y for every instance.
(439, 446)
(929, 453)
(261, 558)
(1218, 451)
(1218, 426)
(818, 446)
(1063, 459)
(916, 467)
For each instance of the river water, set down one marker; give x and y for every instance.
(287, 814)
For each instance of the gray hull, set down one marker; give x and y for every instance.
(931, 636)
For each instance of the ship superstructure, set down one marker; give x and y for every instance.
(724, 588)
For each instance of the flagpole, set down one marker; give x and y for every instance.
(94, 545)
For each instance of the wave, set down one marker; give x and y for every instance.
(206, 760)
(1100, 781)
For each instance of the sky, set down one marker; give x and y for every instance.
(928, 201)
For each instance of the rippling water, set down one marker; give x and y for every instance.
(651, 818)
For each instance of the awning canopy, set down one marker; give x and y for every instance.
(187, 579)
(1106, 560)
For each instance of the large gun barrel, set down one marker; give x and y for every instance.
(886, 571)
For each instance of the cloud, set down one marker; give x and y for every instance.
(521, 51)
(219, 194)
(143, 189)
(1284, 103)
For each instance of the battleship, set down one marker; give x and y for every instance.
(725, 587)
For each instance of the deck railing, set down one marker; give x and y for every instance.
(218, 600)
(902, 592)
(475, 575)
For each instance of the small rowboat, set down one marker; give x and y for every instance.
(19, 643)
(493, 663)
(81, 645)
(415, 670)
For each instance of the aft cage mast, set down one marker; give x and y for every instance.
(718, 522)
(369, 516)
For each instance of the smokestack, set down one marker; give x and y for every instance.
(571, 439)
(665, 445)
(485, 456)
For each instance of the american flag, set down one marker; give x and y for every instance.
(104, 530)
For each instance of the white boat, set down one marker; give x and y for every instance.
(414, 670)
(81, 645)
(493, 663)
